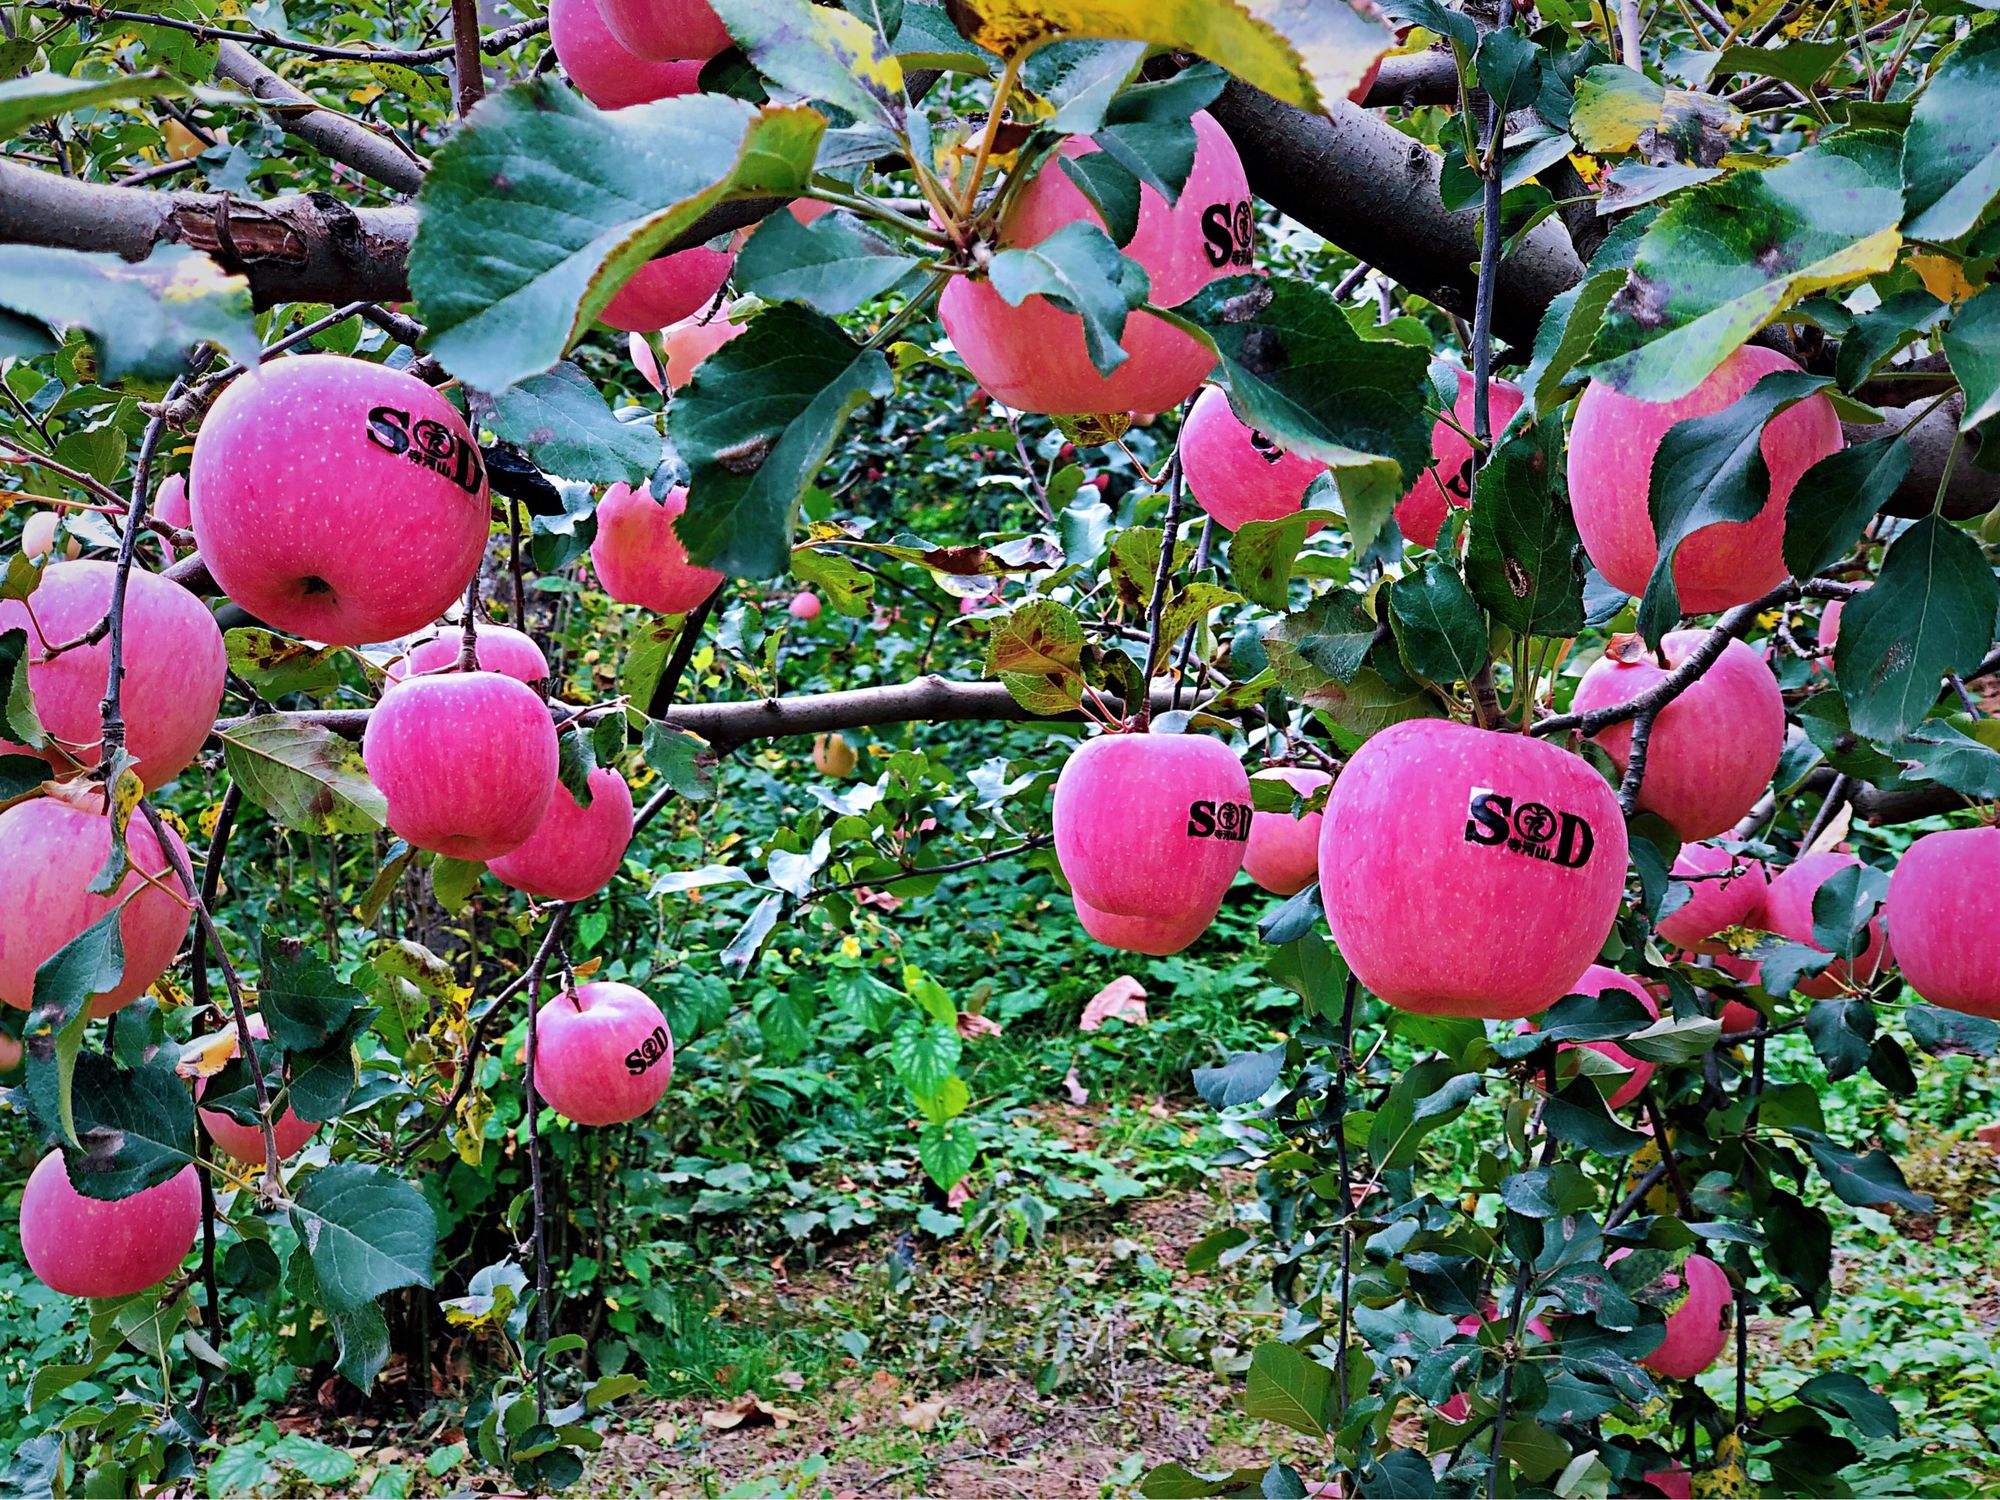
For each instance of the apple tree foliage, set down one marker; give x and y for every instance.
(1815, 176)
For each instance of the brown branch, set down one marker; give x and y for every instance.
(338, 136)
(492, 42)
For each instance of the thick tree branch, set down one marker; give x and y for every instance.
(338, 136)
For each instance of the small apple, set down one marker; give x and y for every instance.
(499, 648)
(1283, 853)
(1158, 936)
(38, 535)
(574, 851)
(1596, 980)
(665, 30)
(1788, 911)
(1236, 473)
(603, 1053)
(691, 341)
(638, 557)
(170, 503)
(667, 289)
(1727, 891)
(1943, 908)
(804, 606)
(833, 756)
(1447, 482)
(246, 1142)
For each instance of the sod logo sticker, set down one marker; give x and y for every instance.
(429, 444)
(656, 1046)
(1219, 820)
(1532, 829)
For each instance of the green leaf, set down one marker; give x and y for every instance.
(539, 207)
(304, 775)
(300, 997)
(560, 420)
(820, 52)
(323, 1078)
(1836, 498)
(1881, 332)
(275, 665)
(685, 760)
(1424, 1099)
(839, 582)
(1938, 751)
(1080, 271)
(1728, 256)
(1565, 333)
(361, 1334)
(368, 1232)
(1617, 107)
(1284, 1386)
(1111, 187)
(1847, 1395)
(1869, 1179)
(145, 317)
(46, 96)
(1711, 469)
(1243, 1078)
(1036, 652)
(1510, 68)
(1844, 905)
(1930, 612)
(1951, 152)
(134, 1126)
(1801, 64)
(947, 1150)
(1439, 628)
(1296, 371)
(1577, 1115)
(1941, 1032)
(755, 424)
(1972, 345)
(1524, 561)
(90, 964)
(924, 1055)
(832, 265)
(1261, 555)
(1841, 1030)
(21, 721)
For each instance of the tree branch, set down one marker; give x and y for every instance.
(338, 136)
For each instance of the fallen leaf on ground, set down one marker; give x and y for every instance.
(924, 1416)
(748, 1410)
(1123, 999)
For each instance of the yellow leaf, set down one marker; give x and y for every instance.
(1943, 277)
(206, 1056)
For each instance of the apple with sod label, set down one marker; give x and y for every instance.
(1158, 936)
(498, 648)
(1236, 473)
(1726, 890)
(246, 1142)
(665, 30)
(1612, 444)
(1152, 826)
(1447, 481)
(1283, 852)
(574, 851)
(1596, 980)
(1470, 873)
(605, 71)
(175, 667)
(1943, 909)
(1712, 749)
(1033, 357)
(667, 289)
(50, 851)
(339, 500)
(638, 558)
(1788, 911)
(603, 1053)
(92, 1247)
(467, 761)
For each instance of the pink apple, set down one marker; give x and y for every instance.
(638, 558)
(1713, 748)
(644, 360)
(170, 502)
(38, 535)
(88, 1247)
(337, 499)
(667, 289)
(1283, 853)
(691, 341)
(500, 648)
(1695, 1329)
(1943, 910)
(603, 1053)
(1611, 447)
(607, 73)
(1470, 873)
(467, 761)
(1032, 357)
(1237, 474)
(805, 210)
(246, 1142)
(1152, 825)
(1595, 981)
(1721, 899)
(175, 666)
(1157, 935)
(50, 850)
(804, 606)
(1788, 911)
(574, 851)
(665, 30)
(1448, 481)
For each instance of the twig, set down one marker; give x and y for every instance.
(497, 41)
(1169, 530)
(470, 81)
(991, 856)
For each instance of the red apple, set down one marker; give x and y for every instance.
(1283, 853)
(667, 289)
(500, 648)
(467, 761)
(50, 850)
(1788, 911)
(1695, 1329)
(246, 1142)
(1675, 1482)
(1033, 358)
(804, 606)
(1470, 873)
(1237, 474)
(638, 558)
(175, 666)
(1448, 481)
(1736, 1016)
(607, 73)
(1720, 899)
(337, 499)
(170, 502)
(1611, 447)
(574, 851)
(87, 1247)
(603, 1053)
(1713, 748)
(1943, 910)
(665, 30)
(1595, 981)
(1158, 936)
(1152, 825)
(10, 1053)
(691, 341)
